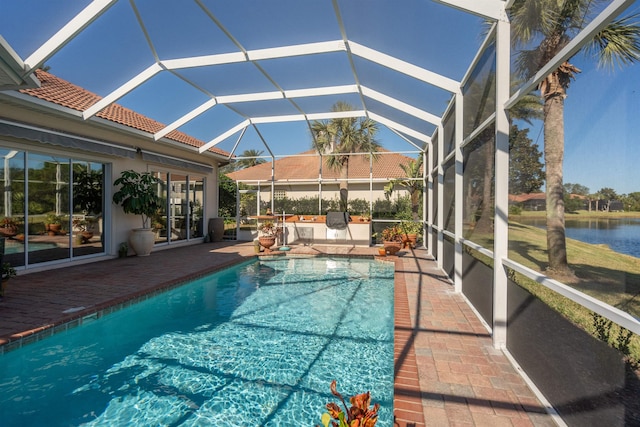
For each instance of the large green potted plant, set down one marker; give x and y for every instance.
(138, 195)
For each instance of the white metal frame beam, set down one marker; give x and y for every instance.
(121, 91)
(404, 67)
(492, 9)
(211, 60)
(279, 52)
(67, 33)
(248, 97)
(298, 93)
(319, 116)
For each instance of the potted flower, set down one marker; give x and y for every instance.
(392, 239)
(7, 273)
(138, 195)
(267, 235)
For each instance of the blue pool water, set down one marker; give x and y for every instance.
(13, 247)
(254, 345)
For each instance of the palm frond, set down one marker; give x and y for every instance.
(618, 44)
(532, 18)
(528, 108)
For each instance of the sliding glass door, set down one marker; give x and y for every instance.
(51, 207)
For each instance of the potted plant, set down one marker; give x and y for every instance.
(53, 224)
(411, 231)
(267, 235)
(123, 250)
(84, 228)
(358, 414)
(392, 239)
(138, 195)
(7, 273)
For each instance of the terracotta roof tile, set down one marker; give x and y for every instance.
(61, 92)
(519, 198)
(298, 168)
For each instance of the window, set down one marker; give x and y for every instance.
(52, 206)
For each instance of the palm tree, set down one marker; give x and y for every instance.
(251, 158)
(553, 23)
(342, 137)
(412, 170)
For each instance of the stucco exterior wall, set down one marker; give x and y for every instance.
(116, 224)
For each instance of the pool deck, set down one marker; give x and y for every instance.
(447, 372)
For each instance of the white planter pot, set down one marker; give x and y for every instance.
(141, 241)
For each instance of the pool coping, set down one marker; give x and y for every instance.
(77, 317)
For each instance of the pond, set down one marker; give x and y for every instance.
(620, 234)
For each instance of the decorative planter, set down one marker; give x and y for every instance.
(382, 252)
(392, 248)
(141, 240)
(266, 242)
(409, 240)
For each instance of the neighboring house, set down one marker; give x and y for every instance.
(529, 202)
(307, 174)
(538, 201)
(605, 205)
(45, 145)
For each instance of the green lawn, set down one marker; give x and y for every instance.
(600, 272)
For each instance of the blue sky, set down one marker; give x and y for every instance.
(602, 108)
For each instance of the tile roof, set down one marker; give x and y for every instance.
(307, 167)
(519, 198)
(61, 92)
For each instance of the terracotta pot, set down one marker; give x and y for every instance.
(382, 252)
(267, 241)
(409, 240)
(392, 248)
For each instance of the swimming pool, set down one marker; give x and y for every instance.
(257, 344)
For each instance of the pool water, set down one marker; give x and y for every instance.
(254, 345)
(13, 247)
